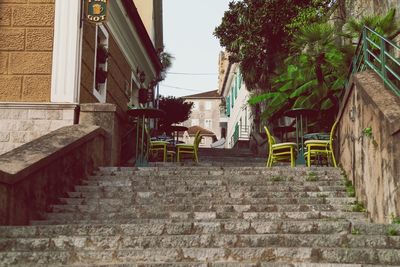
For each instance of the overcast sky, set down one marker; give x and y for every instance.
(188, 36)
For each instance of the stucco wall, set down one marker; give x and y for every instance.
(26, 44)
(372, 163)
(119, 72)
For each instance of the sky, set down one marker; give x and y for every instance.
(188, 36)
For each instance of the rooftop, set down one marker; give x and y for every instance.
(208, 94)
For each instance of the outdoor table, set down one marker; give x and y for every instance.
(317, 136)
(177, 129)
(142, 114)
(299, 114)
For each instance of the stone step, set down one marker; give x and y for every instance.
(114, 192)
(252, 181)
(219, 179)
(222, 187)
(386, 257)
(120, 242)
(218, 171)
(161, 207)
(232, 264)
(203, 216)
(169, 227)
(81, 198)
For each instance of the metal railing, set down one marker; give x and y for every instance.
(377, 53)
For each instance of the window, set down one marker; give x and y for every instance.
(134, 87)
(208, 124)
(195, 106)
(100, 64)
(208, 105)
(195, 122)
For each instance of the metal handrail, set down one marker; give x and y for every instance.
(377, 53)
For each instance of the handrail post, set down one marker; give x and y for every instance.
(365, 45)
(383, 59)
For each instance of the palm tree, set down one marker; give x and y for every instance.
(385, 25)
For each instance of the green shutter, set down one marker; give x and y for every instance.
(228, 106)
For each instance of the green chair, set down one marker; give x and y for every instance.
(280, 151)
(321, 148)
(189, 149)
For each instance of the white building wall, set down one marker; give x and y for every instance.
(239, 111)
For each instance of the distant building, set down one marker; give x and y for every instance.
(236, 116)
(206, 114)
(52, 62)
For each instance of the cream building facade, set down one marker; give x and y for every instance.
(206, 114)
(50, 62)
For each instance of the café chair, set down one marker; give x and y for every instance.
(280, 151)
(189, 148)
(321, 148)
(157, 146)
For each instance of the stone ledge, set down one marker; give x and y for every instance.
(28, 158)
(27, 105)
(375, 93)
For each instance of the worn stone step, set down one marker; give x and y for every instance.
(232, 264)
(204, 216)
(234, 178)
(145, 227)
(218, 171)
(77, 198)
(221, 187)
(119, 242)
(206, 207)
(255, 181)
(300, 254)
(119, 191)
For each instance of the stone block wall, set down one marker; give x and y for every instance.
(23, 122)
(372, 161)
(26, 44)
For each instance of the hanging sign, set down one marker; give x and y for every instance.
(96, 10)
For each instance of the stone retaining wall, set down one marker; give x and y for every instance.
(36, 174)
(23, 122)
(372, 160)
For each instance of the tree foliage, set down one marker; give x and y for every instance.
(257, 33)
(176, 108)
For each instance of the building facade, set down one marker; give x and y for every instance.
(52, 61)
(236, 116)
(205, 113)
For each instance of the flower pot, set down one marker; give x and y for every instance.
(102, 54)
(101, 76)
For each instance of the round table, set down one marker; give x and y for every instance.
(299, 114)
(143, 114)
(177, 129)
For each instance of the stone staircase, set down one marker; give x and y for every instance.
(204, 215)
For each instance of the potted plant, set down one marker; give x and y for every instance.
(101, 75)
(102, 54)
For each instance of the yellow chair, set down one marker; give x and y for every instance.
(157, 146)
(280, 151)
(189, 149)
(317, 148)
